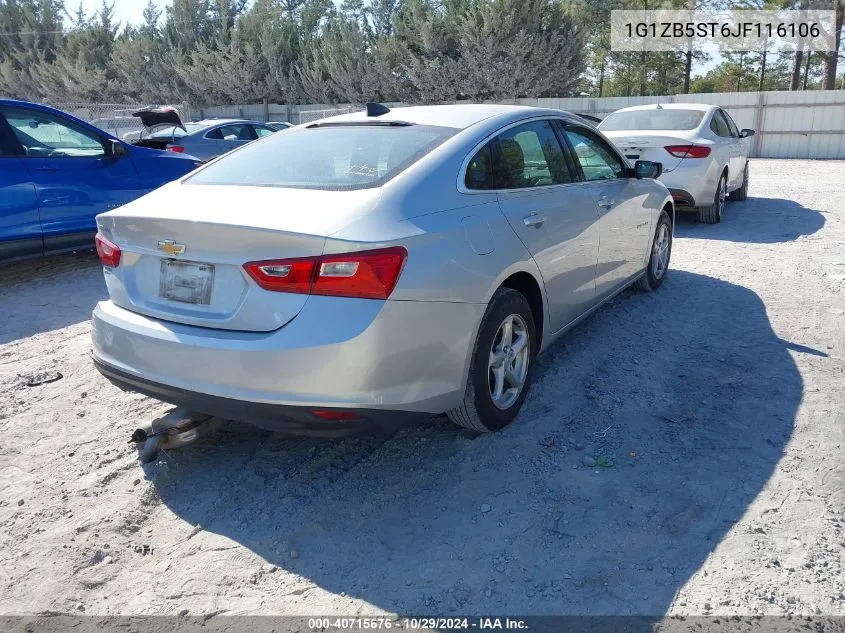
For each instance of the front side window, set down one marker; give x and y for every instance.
(44, 135)
(528, 155)
(719, 125)
(261, 132)
(331, 157)
(731, 125)
(598, 161)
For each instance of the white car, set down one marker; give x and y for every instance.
(704, 155)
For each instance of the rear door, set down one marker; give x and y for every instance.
(624, 219)
(73, 177)
(20, 230)
(552, 215)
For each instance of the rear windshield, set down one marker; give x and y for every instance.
(652, 120)
(176, 132)
(335, 157)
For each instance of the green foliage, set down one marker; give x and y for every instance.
(287, 51)
(291, 51)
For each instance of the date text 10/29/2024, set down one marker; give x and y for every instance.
(416, 624)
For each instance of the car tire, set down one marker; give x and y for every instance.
(481, 409)
(742, 193)
(658, 261)
(712, 214)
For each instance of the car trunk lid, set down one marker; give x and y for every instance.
(183, 248)
(648, 146)
(158, 119)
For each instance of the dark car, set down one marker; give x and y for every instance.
(57, 172)
(206, 140)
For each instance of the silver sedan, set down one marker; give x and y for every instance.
(374, 268)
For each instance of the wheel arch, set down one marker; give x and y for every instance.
(526, 284)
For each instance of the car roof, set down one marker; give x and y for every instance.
(460, 116)
(703, 107)
(212, 122)
(26, 104)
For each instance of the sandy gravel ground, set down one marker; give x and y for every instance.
(680, 452)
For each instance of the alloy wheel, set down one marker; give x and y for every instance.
(508, 365)
(660, 252)
(720, 197)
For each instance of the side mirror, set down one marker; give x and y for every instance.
(745, 133)
(115, 148)
(647, 169)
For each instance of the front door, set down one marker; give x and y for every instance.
(553, 216)
(74, 178)
(623, 208)
(20, 230)
(738, 152)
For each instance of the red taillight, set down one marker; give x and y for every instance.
(284, 275)
(335, 415)
(365, 274)
(688, 151)
(175, 148)
(109, 252)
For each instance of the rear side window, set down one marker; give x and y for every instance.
(719, 125)
(234, 132)
(652, 119)
(331, 157)
(528, 155)
(479, 173)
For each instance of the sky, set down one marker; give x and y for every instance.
(125, 11)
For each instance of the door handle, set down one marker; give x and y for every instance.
(604, 203)
(533, 219)
(44, 168)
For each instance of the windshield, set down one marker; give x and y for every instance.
(334, 157)
(652, 120)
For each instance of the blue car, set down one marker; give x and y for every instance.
(58, 172)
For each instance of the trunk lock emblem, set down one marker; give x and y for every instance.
(171, 248)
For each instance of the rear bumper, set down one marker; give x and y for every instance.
(351, 354)
(682, 198)
(694, 178)
(295, 420)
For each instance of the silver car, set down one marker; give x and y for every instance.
(374, 268)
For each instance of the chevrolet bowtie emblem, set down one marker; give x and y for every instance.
(171, 248)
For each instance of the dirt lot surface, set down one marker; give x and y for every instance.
(681, 452)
